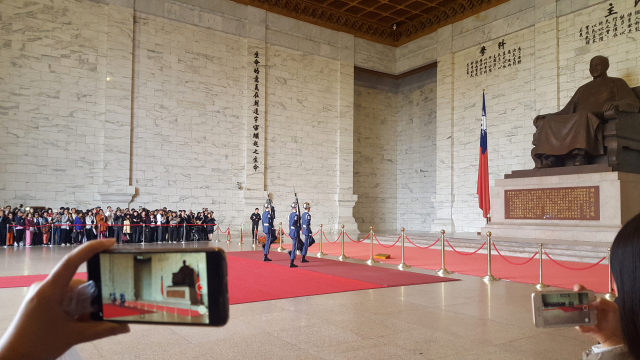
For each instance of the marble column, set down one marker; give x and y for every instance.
(115, 188)
(345, 197)
(443, 198)
(255, 193)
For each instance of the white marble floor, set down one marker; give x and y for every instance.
(466, 319)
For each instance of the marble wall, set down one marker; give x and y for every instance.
(151, 104)
(395, 150)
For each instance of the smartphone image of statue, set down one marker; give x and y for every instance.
(155, 287)
(565, 308)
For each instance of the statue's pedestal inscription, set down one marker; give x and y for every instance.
(565, 203)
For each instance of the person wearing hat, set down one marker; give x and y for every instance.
(294, 234)
(268, 229)
(306, 231)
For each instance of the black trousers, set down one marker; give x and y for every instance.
(135, 234)
(63, 236)
(19, 236)
(173, 233)
(3, 238)
(117, 233)
(89, 234)
(254, 229)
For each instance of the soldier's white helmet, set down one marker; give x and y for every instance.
(266, 206)
(306, 206)
(293, 205)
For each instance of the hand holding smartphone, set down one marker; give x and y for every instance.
(161, 286)
(563, 308)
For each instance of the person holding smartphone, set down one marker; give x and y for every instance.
(618, 326)
(43, 329)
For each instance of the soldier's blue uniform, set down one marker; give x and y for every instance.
(306, 231)
(294, 233)
(268, 229)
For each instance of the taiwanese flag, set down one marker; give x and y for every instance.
(198, 286)
(162, 285)
(483, 168)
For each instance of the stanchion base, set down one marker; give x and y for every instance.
(342, 257)
(489, 278)
(541, 286)
(403, 266)
(610, 296)
(372, 261)
(298, 252)
(321, 254)
(443, 272)
(281, 249)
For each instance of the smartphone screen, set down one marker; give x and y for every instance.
(560, 308)
(185, 287)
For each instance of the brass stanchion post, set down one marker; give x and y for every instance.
(320, 254)
(240, 235)
(541, 285)
(184, 231)
(281, 248)
(371, 260)
(342, 256)
(143, 232)
(489, 277)
(403, 265)
(217, 236)
(610, 295)
(443, 271)
(228, 235)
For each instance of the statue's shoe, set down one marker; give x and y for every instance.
(580, 160)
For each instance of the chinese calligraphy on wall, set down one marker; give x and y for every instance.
(568, 203)
(256, 111)
(612, 25)
(489, 62)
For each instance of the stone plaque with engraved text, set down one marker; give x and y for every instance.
(565, 203)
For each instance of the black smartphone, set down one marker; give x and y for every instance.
(161, 286)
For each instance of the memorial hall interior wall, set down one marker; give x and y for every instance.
(394, 124)
(99, 109)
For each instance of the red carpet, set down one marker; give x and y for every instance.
(251, 279)
(110, 311)
(476, 265)
(28, 280)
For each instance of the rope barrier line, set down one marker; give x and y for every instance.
(394, 244)
(460, 253)
(420, 247)
(571, 268)
(511, 262)
(316, 233)
(331, 242)
(355, 241)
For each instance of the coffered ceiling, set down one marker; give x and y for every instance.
(375, 19)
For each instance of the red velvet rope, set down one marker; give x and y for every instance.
(394, 244)
(421, 247)
(465, 254)
(570, 268)
(511, 262)
(331, 242)
(316, 233)
(355, 241)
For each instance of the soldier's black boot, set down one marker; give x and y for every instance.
(304, 259)
(292, 265)
(266, 258)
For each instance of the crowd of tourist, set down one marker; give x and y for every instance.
(22, 226)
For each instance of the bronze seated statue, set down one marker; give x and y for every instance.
(600, 124)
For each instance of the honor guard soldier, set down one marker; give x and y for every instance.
(294, 234)
(306, 231)
(268, 229)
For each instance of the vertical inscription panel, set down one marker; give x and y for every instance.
(565, 203)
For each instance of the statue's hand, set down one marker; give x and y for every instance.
(536, 120)
(610, 106)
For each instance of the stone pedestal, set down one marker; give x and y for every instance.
(180, 296)
(619, 201)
